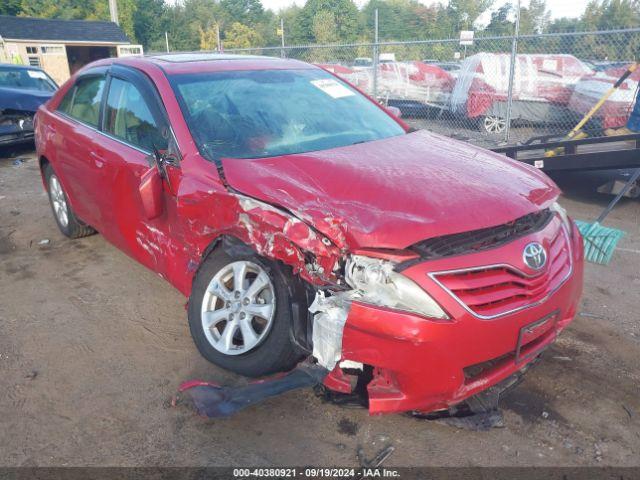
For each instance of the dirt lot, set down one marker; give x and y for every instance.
(93, 346)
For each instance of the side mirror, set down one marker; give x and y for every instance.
(150, 190)
(395, 111)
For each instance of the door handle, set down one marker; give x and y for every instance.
(97, 158)
(50, 131)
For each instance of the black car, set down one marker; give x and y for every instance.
(22, 90)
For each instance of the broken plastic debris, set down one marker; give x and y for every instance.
(44, 241)
(328, 324)
(351, 364)
(215, 401)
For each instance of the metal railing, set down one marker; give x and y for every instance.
(497, 91)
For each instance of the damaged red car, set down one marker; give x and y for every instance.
(304, 220)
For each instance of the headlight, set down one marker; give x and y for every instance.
(562, 213)
(375, 282)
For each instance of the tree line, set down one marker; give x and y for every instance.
(198, 24)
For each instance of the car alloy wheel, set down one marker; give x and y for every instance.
(58, 201)
(494, 124)
(238, 308)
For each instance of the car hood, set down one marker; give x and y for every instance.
(394, 192)
(23, 100)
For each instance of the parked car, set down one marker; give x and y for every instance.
(362, 62)
(416, 88)
(301, 219)
(542, 88)
(22, 90)
(387, 58)
(359, 77)
(615, 111)
(452, 67)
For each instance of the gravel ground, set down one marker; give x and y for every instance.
(93, 346)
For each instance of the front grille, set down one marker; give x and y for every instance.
(483, 239)
(497, 290)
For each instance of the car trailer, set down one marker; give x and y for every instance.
(597, 153)
(587, 154)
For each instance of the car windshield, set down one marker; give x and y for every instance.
(23, 78)
(264, 113)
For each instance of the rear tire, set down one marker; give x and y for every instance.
(68, 223)
(222, 318)
(492, 124)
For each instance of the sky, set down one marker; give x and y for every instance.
(558, 8)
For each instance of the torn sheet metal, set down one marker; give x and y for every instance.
(216, 401)
(268, 230)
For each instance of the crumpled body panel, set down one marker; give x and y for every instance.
(395, 192)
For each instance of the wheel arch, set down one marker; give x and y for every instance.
(42, 163)
(300, 291)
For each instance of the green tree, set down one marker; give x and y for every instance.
(619, 14)
(246, 12)
(241, 36)
(535, 18)
(81, 10)
(185, 22)
(402, 20)
(462, 14)
(501, 23)
(346, 19)
(149, 22)
(10, 7)
(209, 39)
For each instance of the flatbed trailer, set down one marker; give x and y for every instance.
(586, 154)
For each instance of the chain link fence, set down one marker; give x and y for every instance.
(473, 93)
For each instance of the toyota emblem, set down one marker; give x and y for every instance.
(535, 256)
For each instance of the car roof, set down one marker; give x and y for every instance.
(18, 67)
(200, 62)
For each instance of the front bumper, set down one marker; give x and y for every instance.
(426, 365)
(16, 129)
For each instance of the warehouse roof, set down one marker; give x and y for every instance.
(45, 29)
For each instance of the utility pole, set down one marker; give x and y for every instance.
(218, 37)
(375, 55)
(281, 32)
(166, 40)
(512, 70)
(113, 10)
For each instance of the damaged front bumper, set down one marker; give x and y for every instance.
(424, 365)
(16, 128)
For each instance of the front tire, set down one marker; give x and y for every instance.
(68, 223)
(240, 314)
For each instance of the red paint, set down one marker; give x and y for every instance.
(615, 111)
(421, 361)
(395, 192)
(541, 78)
(375, 198)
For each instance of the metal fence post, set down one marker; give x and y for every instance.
(512, 70)
(282, 37)
(376, 51)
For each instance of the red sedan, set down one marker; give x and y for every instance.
(301, 219)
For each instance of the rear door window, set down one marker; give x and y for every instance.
(82, 101)
(129, 118)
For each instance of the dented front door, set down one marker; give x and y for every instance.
(133, 128)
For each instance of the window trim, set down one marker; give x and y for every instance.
(138, 79)
(156, 110)
(94, 72)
